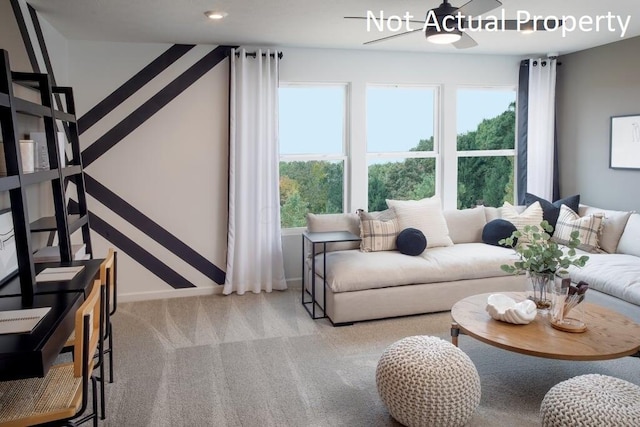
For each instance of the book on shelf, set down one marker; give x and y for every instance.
(20, 321)
(58, 274)
(52, 253)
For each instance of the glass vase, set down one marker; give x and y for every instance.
(539, 289)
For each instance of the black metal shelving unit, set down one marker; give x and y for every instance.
(63, 224)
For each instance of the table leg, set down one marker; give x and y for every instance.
(455, 331)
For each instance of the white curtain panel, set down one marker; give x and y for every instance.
(254, 251)
(541, 136)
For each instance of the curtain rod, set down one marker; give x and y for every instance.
(253, 54)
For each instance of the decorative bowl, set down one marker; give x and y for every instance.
(506, 309)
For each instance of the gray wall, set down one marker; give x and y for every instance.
(592, 86)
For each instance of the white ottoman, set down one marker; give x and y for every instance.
(592, 400)
(427, 381)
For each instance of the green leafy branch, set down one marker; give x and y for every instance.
(541, 254)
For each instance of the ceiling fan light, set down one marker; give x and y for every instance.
(215, 15)
(528, 27)
(444, 37)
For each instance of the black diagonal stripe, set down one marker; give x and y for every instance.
(47, 62)
(24, 32)
(153, 230)
(132, 85)
(153, 105)
(135, 251)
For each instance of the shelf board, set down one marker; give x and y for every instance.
(9, 182)
(62, 115)
(71, 170)
(77, 221)
(48, 223)
(37, 177)
(31, 108)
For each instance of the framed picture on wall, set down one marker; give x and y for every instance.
(8, 254)
(625, 142)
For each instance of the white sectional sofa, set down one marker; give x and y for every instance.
(374, 285)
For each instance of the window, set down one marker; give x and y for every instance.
(312, 151)
(401, 150)
(486, 121)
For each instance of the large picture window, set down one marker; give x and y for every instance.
(401, 149)
(486, 121)
(312, 151)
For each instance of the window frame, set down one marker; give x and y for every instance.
(490, 153)
(344, 156)
(396, 155)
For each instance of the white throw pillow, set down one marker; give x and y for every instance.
(588, 228)
(425, 215)
(465, 225)
(530, 216)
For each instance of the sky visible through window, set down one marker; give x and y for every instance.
(312, 119)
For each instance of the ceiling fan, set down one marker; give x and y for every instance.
(447, 24)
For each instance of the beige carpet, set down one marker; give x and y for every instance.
(259, 360)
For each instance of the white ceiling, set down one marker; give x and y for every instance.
(320, 23)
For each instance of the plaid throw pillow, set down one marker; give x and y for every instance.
(586, 226)
(377, 235)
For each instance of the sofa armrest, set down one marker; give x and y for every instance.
(629, 242)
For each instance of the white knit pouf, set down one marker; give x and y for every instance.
(591, 400)
(427, 381)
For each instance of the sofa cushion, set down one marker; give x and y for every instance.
(630, 240)
(425, 215)
(497, 230)
(613, 274)
(550, 211)
(612, 226)
(586, 226)
(465, 225)
(411, 241)
(317, 223)
(377, 235)
(355, 270)
(532, 215)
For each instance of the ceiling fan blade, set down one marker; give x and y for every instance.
(465, 42)
(384, 19)
(392, 37)
(478, 7)
(512, 25)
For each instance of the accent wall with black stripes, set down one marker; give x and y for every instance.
(153, 123)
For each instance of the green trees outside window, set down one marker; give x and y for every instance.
(487, 180)
(485, 174)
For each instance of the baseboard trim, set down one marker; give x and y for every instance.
(174, 293)
(295, 283)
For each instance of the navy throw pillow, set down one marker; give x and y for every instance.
(411, 241)
(496, 230)
(551, 211)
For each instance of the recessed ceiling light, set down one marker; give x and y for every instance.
(214, 14)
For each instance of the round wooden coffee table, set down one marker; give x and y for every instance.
(609, 335)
